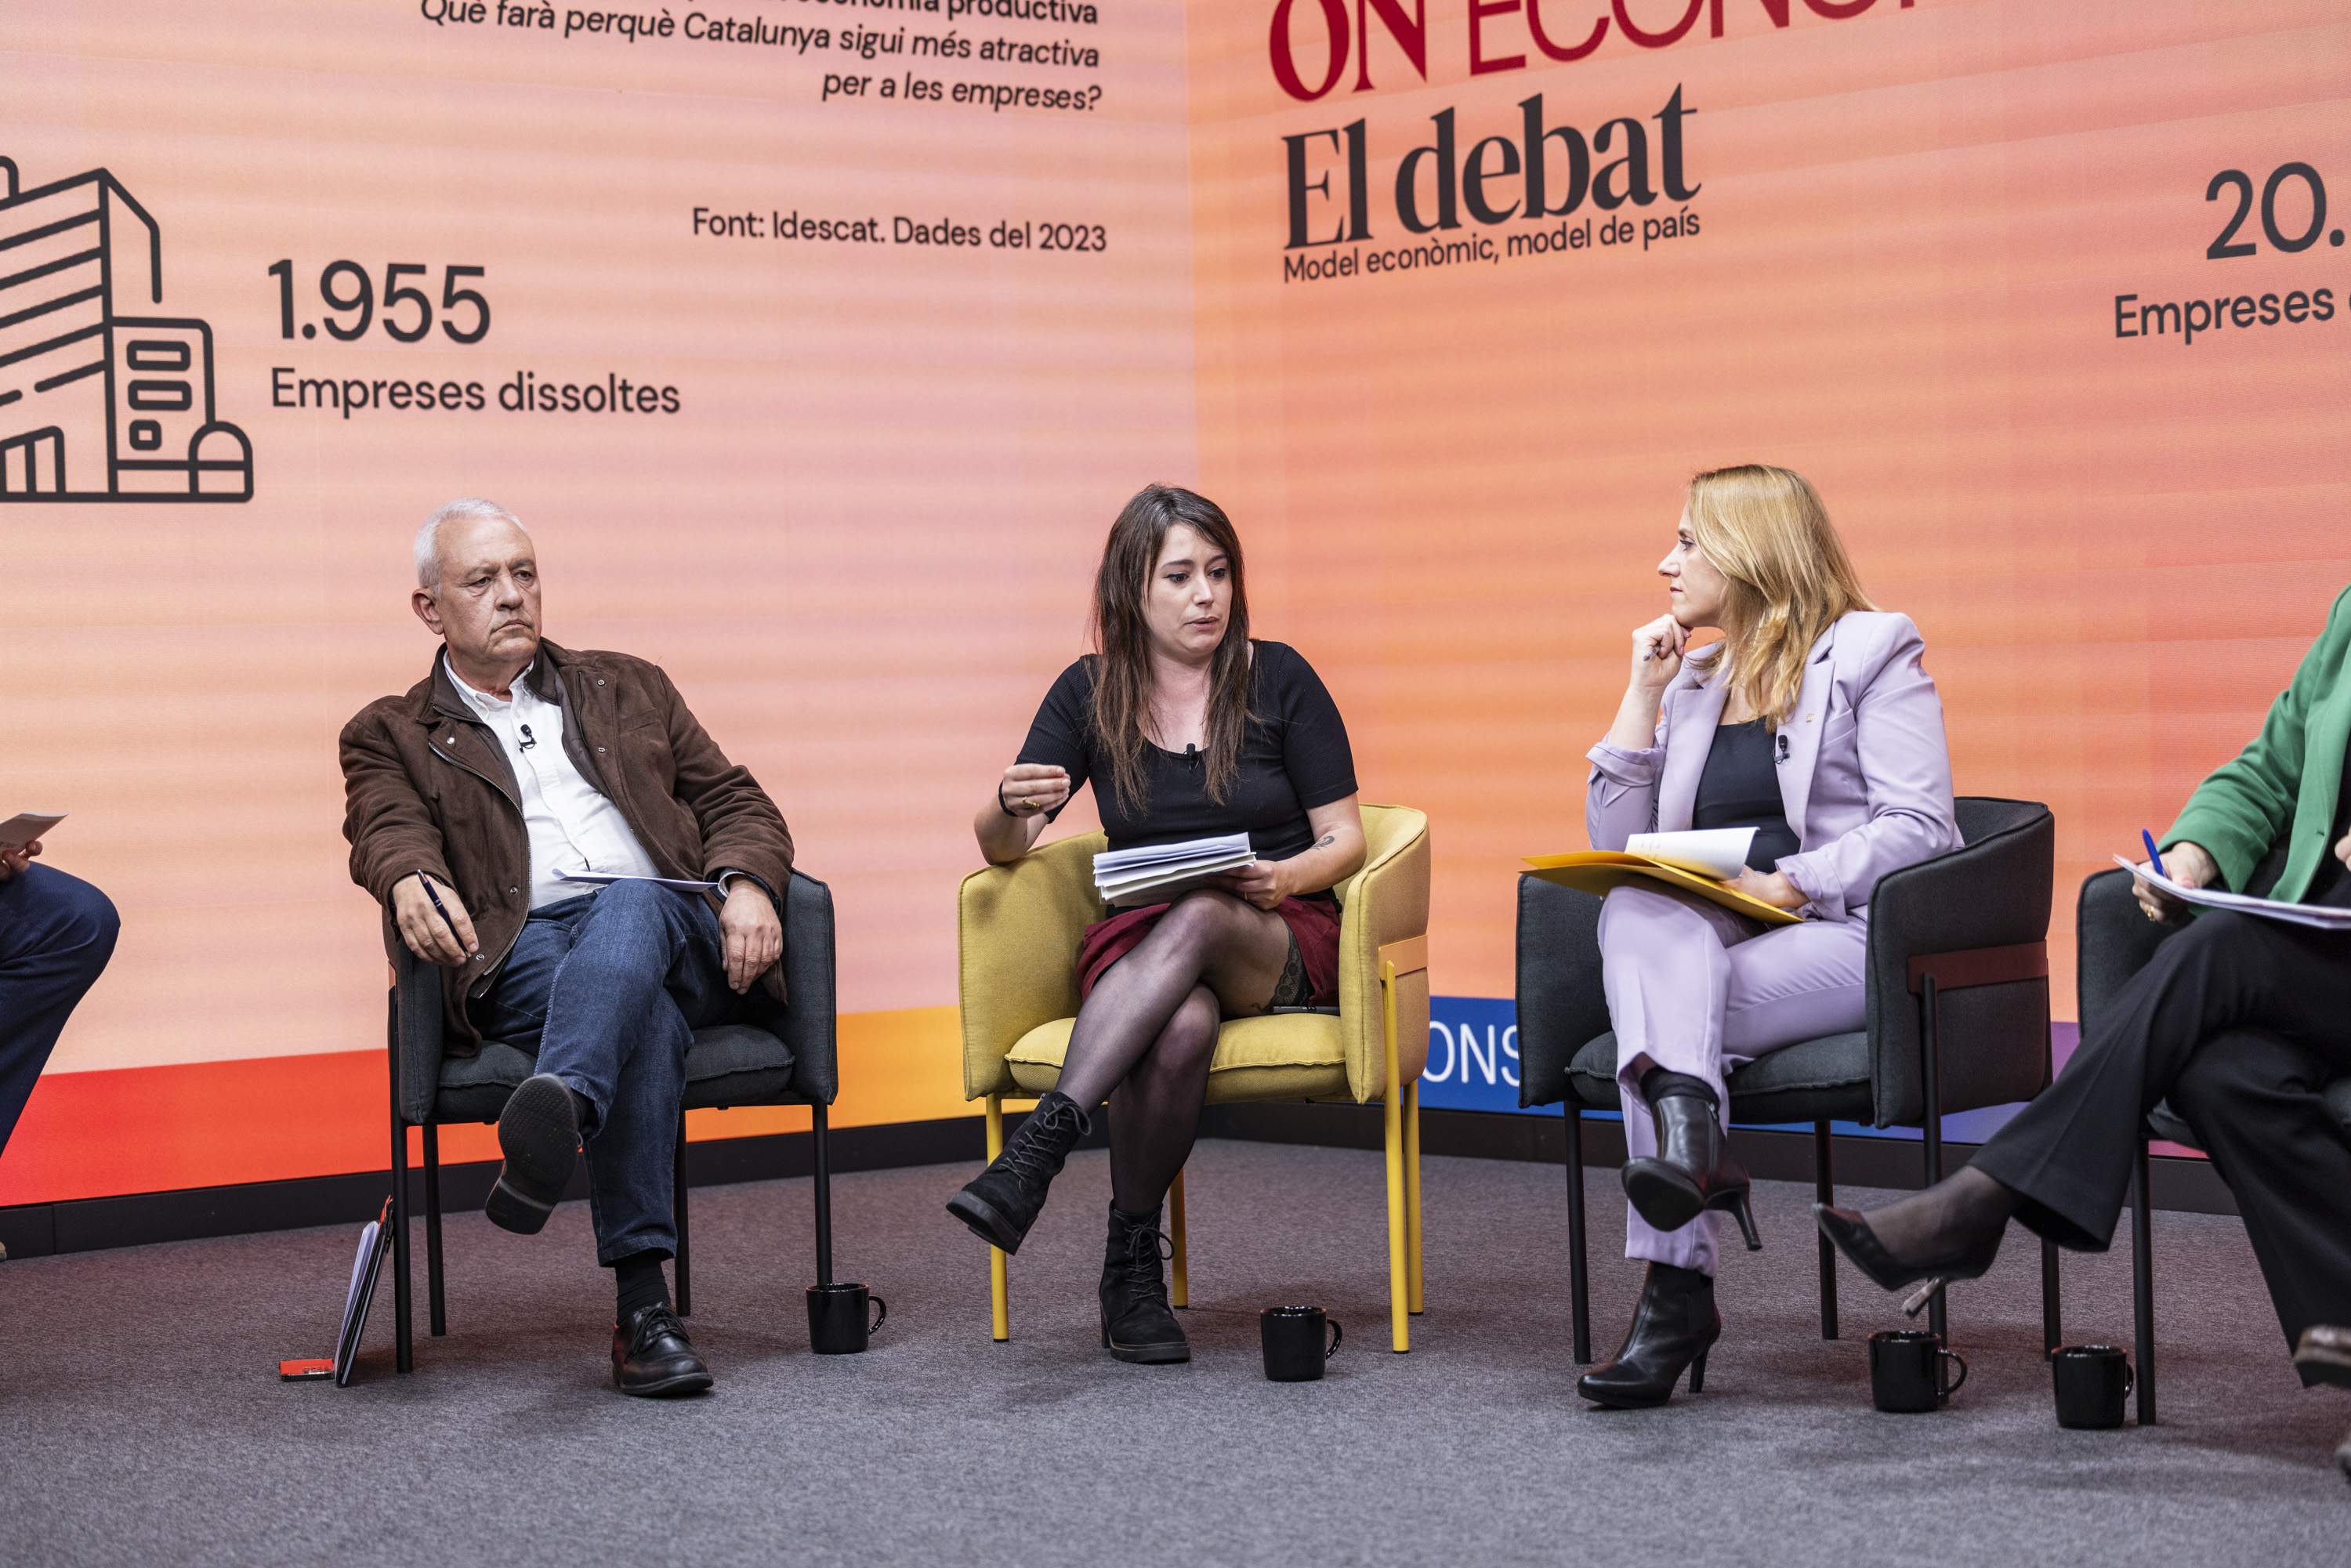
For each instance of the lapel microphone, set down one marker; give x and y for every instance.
(1784, 744)
(1191, 754)
(529, 741)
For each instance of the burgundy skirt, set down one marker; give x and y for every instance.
(1313, 924)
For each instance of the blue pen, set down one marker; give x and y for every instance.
(2153, 855)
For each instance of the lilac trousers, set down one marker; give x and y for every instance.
(1695, 989)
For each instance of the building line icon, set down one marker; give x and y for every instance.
(97, 404)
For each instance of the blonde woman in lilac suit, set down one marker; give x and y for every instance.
(1813, 720)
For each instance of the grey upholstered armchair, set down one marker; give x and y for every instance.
(770, 1055)
(1957, 1019)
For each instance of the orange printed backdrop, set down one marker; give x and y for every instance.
(1457, 483)
(863, 546)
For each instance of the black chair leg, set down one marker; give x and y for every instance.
(436, 1311)
(1824, 1190)
(677, 1202)
(1579, 1281)
(2142, 1281)
(1938, 1319)
(2053, 1309)
(820, 1137)
(403, 1331)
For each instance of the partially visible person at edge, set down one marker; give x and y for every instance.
(515, 759)
(2239, 1022)
(1187, 728)
(56, 932)
(1812, 721)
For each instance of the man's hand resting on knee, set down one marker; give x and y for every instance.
(448, 942)
(754, 937)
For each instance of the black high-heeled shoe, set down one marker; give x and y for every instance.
(1970, 1258)
(1692, 1171)
(1673, 1327)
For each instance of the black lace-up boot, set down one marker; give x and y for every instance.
(1001, 1202)
(1137, 1324)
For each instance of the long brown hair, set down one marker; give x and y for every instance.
(1121, 700)
(1787, 577)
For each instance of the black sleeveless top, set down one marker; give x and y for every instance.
(1740, 788)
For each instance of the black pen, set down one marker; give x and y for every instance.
(440, 909)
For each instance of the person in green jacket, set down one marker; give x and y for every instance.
(2239, 1022)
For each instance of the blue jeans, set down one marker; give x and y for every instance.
(607, 991)
(57, 933)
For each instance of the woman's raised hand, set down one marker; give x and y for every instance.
(1029, 787)
(1658, 653)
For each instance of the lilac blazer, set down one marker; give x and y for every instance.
(1866, 780)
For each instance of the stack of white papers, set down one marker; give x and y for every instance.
(1718, 852)
(1162, 871)
(25, 826)
(2325, 917)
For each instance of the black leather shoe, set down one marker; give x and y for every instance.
(539, 1132)
(1003, 1202)
(1692, 1171)
(652, 1358)
(1137, 1324)
(1673, 1327)
(2324, 1354)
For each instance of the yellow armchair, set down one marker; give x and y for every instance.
(1018, 927)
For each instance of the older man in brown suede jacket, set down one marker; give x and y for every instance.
(518, 814)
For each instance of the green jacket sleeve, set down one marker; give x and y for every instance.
(2238, 812)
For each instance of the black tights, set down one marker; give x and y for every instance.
(1149, 1030)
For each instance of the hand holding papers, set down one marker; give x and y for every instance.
(2321, 917)
(1155, 872)
(1701, 863)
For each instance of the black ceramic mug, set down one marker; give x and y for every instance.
(1294, 1351)
(2093, 1380)
(1906, 1370)
(837, 1320)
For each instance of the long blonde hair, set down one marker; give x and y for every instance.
(1787, 577)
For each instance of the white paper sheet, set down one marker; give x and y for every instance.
(1718, 852)
(26, 826)
(2313, 915)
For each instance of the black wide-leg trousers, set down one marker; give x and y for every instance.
(2238, 1022)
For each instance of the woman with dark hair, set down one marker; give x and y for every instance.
(1187, 729)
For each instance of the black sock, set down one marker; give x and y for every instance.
(638, 1276)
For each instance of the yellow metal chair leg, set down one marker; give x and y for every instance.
(999, 1298)
(1412, 1186)
(1180, 1285)
(1392, 1116)
(1398, 1272)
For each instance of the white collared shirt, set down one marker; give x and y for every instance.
(572, 826)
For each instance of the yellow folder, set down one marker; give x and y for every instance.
(1597, 871)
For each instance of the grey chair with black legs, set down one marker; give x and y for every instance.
(1957, 1019)
(2115, 941)
(770, 1055)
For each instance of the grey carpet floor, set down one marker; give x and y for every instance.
(142, 1420)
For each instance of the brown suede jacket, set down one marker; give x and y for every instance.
(427, 787)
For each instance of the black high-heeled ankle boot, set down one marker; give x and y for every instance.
(1692, 1170)
(1003, 1202)
(1673, 1327)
